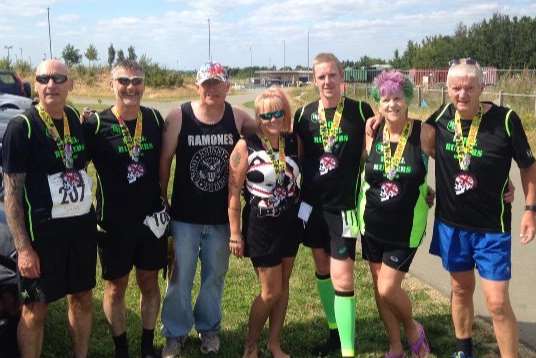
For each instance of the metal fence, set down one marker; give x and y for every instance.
(427, 98)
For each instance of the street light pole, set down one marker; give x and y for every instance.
(49, 36)
(284, 54)
(8, 48)
(209, 54)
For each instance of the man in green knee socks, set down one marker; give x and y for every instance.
(332, 131)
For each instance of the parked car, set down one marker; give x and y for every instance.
(11, 83)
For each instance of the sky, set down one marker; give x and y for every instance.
(174, 33)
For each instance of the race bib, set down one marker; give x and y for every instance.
(305, 211)
(70, 192)
(350, 227)
(158, 222)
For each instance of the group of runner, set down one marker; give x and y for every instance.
(302, 181)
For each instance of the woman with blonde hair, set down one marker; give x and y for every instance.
(265, 167)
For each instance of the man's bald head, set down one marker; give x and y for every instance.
(52, 66)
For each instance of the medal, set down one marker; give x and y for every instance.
(328, 162)
(464, 182)
(329, 136)
(388, 190)
(279, 164)
(391, 163)
(134, 171)
(463, 150)
(64, 144)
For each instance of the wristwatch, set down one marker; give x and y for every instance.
(530, 207)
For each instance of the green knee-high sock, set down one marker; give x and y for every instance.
(327, 298)
(345, 316)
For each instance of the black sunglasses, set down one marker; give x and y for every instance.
(56, 78)
(126, 81)
(462, 61)
(269, 115)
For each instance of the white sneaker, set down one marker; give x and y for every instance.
(210, 342)
(173, 347)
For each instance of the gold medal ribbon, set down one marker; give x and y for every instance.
(133, 144)
(391, 163)
(279, 165)
(64, 144)
(465, 147)
(329, 136)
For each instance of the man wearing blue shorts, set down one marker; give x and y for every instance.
(474, 143)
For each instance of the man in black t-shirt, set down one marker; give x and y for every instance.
(331, 131)
(201, 135)
(124, 145)
(474, 143)
(48, 210)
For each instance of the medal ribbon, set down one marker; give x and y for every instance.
(329, 136)
(279, 165)
(463, 151)
(391, 163)
(133, 144)
(64, 144)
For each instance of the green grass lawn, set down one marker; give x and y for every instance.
(305, 324)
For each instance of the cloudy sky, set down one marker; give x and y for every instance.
(174, 32)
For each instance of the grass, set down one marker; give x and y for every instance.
(304, 326)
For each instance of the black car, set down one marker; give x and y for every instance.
(11, 83)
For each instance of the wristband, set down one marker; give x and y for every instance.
(530, 207)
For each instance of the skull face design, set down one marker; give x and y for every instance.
(328, 162)
(463, 183)
(388, 190)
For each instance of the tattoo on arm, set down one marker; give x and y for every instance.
(235, 160)
(13, 206)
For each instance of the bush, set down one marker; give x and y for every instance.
(157, 76)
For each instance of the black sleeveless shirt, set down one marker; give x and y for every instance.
(202, 168)
(395, 212)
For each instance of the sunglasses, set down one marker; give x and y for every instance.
(462, 61)
(125, 81)
(269, 115)
(57, 79)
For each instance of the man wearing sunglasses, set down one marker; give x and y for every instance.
(124, 144)
(332, 131)
(201, 134)
(474, 143)
(49, 212)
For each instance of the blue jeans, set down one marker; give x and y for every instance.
(211, 244)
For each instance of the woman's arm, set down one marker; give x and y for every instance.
(238, 165)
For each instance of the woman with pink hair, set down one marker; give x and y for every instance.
(393, 209)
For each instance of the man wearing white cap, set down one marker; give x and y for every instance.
(201, 134)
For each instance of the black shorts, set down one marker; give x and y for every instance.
(124, 245)
(67, 253)
(268, 244)
(396, 257)
(324, 231)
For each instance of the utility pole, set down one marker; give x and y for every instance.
(251, 61)
(209, 54)
(49, 36)
(307, 49)
(20, 48)
(8, 48)
(284, 59)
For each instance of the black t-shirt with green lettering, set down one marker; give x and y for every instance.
(338, 186)
(500, 138)
(117, 199)
(28, 148)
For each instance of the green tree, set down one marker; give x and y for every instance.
(111, 55)
(120, 56)
(132, 53)
(71, 55)
(91, 54)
